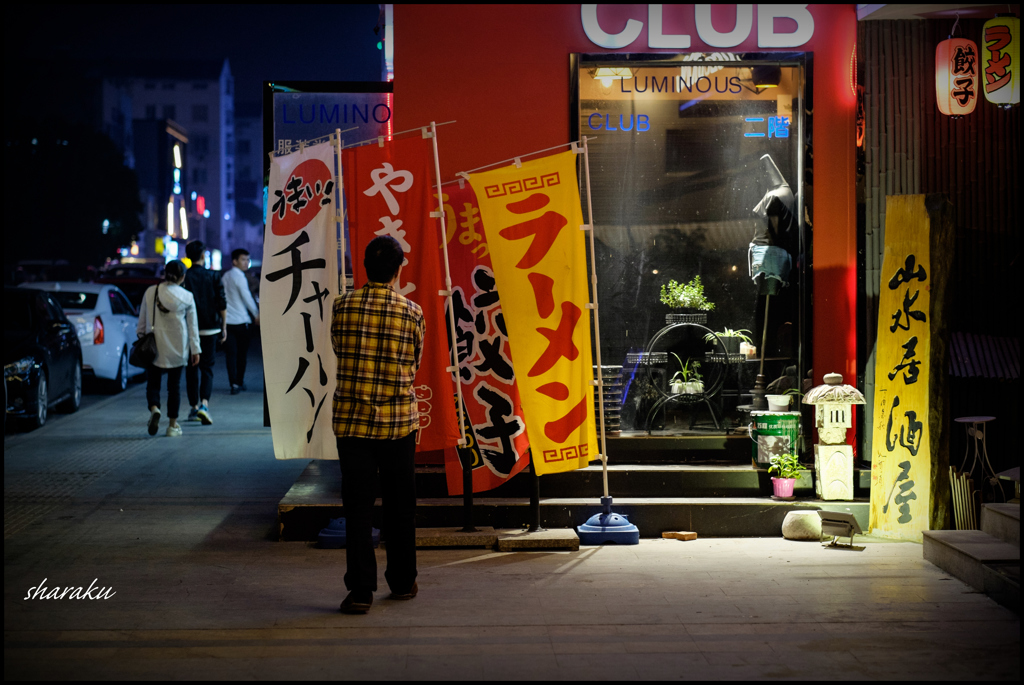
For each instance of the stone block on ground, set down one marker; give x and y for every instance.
(484, 536)
(679, 535)
(802, 525)
(556, 538)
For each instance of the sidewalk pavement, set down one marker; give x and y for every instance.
(183, 530)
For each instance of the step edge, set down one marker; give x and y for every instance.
(936, 537)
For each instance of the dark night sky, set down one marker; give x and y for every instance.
(263, 42)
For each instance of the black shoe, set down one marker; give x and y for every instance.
(243, 387)
(154, 421)
(357, 602)
(406, 595)
(235, 389)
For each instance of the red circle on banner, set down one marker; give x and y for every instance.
(298, 203)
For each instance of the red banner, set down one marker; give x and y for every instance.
(498, 445)
(388, 192)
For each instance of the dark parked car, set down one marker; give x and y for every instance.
(42, 357)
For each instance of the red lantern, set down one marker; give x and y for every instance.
(956, 76)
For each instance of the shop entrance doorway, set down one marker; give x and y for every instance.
(700, 174)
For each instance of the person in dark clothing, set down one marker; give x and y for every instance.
(242, 315)
(377, 335)
(211, 309)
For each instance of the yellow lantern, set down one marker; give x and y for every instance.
(1000, 52)
(956, 76)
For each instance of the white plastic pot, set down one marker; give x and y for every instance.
(778, 402)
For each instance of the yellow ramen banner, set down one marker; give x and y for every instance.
(532, 219)
(902, 451)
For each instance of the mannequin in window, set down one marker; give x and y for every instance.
(769, 263)
(769, 260)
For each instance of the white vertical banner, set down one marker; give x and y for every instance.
(297, 290)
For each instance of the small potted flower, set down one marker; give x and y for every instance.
(689, 299)
(730, 338)
(688, 380)
(786, 468)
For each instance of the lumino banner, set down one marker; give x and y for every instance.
(297, 286)
(497, 446)
(532, 220)
(388, 191)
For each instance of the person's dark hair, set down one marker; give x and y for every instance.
(194, 250)
(174, 271)
(382, 259)
(236, 253)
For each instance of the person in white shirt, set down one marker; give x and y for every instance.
(169, 311)
(242, 314)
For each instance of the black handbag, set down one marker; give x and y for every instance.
(144, 350)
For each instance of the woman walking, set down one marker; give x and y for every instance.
(169, 311)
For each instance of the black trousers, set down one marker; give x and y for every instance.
(154, 375)
(236, 350)
(362, 459)
(199, 379)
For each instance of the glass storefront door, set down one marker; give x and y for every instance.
(697, 167)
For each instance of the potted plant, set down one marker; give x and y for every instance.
(730, 338)
(686, 381)
(688, 297)
(782, 401)
(786, 468)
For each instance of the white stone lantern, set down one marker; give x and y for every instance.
(833, 458)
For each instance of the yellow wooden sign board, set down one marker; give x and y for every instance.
(902, 481)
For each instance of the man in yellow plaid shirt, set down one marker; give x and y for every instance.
(377, 336)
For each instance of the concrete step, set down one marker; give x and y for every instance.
(310, 504)
(624, 480)
(1002, 521)
(982, 561)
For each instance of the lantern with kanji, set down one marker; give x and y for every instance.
(1000, 52)
(956, 76)
(833, 458)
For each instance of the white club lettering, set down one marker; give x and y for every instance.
(709, 36)
(730, 39)
(766, 36)
(611, 41)
(656, 37)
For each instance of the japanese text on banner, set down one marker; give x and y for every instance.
(300, 270)
(532, 220)
(388, 192)
(902, 459)
(495, 427)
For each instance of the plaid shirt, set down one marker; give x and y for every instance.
(377, 336)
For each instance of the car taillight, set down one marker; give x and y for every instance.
(97, 331)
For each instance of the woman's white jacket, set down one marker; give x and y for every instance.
(176, 330)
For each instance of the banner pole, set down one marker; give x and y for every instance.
(448, 284)
(340, 216)
(597, 318)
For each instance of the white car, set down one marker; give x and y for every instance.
(105, 322)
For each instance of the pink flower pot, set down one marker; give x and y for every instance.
(783, 486)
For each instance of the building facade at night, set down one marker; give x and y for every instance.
(198, 97)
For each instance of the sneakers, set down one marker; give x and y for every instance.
(174, 431)
(193, 414)
(357, 602)
(154, 421)
(407, 595)
(204, 415)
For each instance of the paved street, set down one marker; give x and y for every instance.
(183, 531)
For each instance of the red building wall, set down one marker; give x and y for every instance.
(502, 72)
